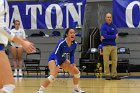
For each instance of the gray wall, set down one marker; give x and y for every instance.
(132, 41)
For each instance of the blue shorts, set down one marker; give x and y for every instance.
(1, 47)
(52, 57)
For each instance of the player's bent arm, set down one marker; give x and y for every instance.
(7, 32)
(18, 40)
(29, 48)
(11, 37)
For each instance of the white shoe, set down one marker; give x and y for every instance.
(2, 91)
(39, 91)
(20, 73)
(15, 73)
(78, 91)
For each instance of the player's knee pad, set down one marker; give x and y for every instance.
(77, 75)
(51, 78)
(8, 88)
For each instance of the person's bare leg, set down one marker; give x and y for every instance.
(76, 78)
(53, 73)
(6, 74)
(20, 59)
(1, 85)
(14, 56)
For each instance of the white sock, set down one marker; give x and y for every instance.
(15, 70)
(41, 88)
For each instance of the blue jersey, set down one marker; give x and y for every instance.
(109, 33)
(61, 51)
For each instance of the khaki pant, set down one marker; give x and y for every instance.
(110, 51)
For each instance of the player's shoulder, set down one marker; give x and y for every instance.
(61, 41)
(75, 43)
(104, 24)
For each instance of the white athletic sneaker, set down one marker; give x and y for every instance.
(39, 91)
(78, 91)
(15, 73)
(20, 73)
(2, 91)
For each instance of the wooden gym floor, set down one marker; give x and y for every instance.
(90, 85)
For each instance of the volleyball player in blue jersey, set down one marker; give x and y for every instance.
(58, 59)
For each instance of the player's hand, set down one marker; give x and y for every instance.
(102, 38)
(28, 46)
(101, 52)
(117, 36)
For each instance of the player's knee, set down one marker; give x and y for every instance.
(77, 75)
(51, 78)
(8, 88)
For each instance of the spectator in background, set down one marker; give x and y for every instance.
(17, 50)
(109, 34)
